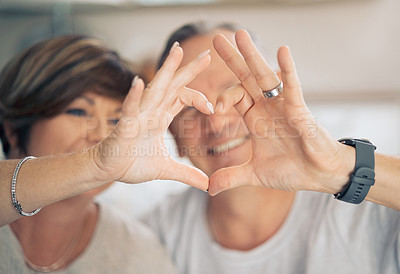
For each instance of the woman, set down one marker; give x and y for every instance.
(63, 96)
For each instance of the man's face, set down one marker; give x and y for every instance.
(211, 141)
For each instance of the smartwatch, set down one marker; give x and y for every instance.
(363, 176)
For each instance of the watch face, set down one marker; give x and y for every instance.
(348, 141)
(352, 141)
(364, 140)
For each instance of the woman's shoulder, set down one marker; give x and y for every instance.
(121, 223)
(175, 208)
(121, 243)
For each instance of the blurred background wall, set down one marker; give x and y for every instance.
(347, 54)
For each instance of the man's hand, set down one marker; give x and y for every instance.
(291, 151)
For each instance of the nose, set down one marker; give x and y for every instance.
(97, 130)
(214, 125)
(226, 125)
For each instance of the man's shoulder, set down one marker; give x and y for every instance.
(178, 203)
(123, 228)
(171, 216)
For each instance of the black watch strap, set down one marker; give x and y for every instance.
(363, 176)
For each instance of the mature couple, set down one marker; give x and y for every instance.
(257, 136)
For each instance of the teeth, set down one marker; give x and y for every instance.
(228, 145)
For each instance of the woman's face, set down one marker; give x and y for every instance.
(211, 141)
(83, 123)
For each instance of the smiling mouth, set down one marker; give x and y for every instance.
(231, 144)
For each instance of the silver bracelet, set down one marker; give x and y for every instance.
(15, 202)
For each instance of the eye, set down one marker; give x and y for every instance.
(113, 122)
(76, 112)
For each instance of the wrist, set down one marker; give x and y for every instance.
(363, 176)
(53, 178)
(348, 160)
(338, 177)
(95, 170)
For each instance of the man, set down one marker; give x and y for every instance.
(275, 228)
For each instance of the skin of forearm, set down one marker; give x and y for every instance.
(46, 180)
(386, 190)
(7, 212)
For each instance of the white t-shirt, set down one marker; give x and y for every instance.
(119, 245)
(320, 235)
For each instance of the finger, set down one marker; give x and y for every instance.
(130, 109)
(265, 76)
(237, 65)
(130, 106)
(187, 175)
(185, 75)
(236, 96)
(291, 84)
(230, 177)
(167, 70)
(191, 97)
(157, 88)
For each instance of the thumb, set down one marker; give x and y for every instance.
(186, 174)
(230, 177)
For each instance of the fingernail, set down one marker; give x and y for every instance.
(219, 107)
(210, 107)
(134, 81)
(174, 45)
(204, 53)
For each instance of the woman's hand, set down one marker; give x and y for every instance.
(135, 151)
(291, 151)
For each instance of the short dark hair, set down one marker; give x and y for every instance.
(190, 30)
(45, 78)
